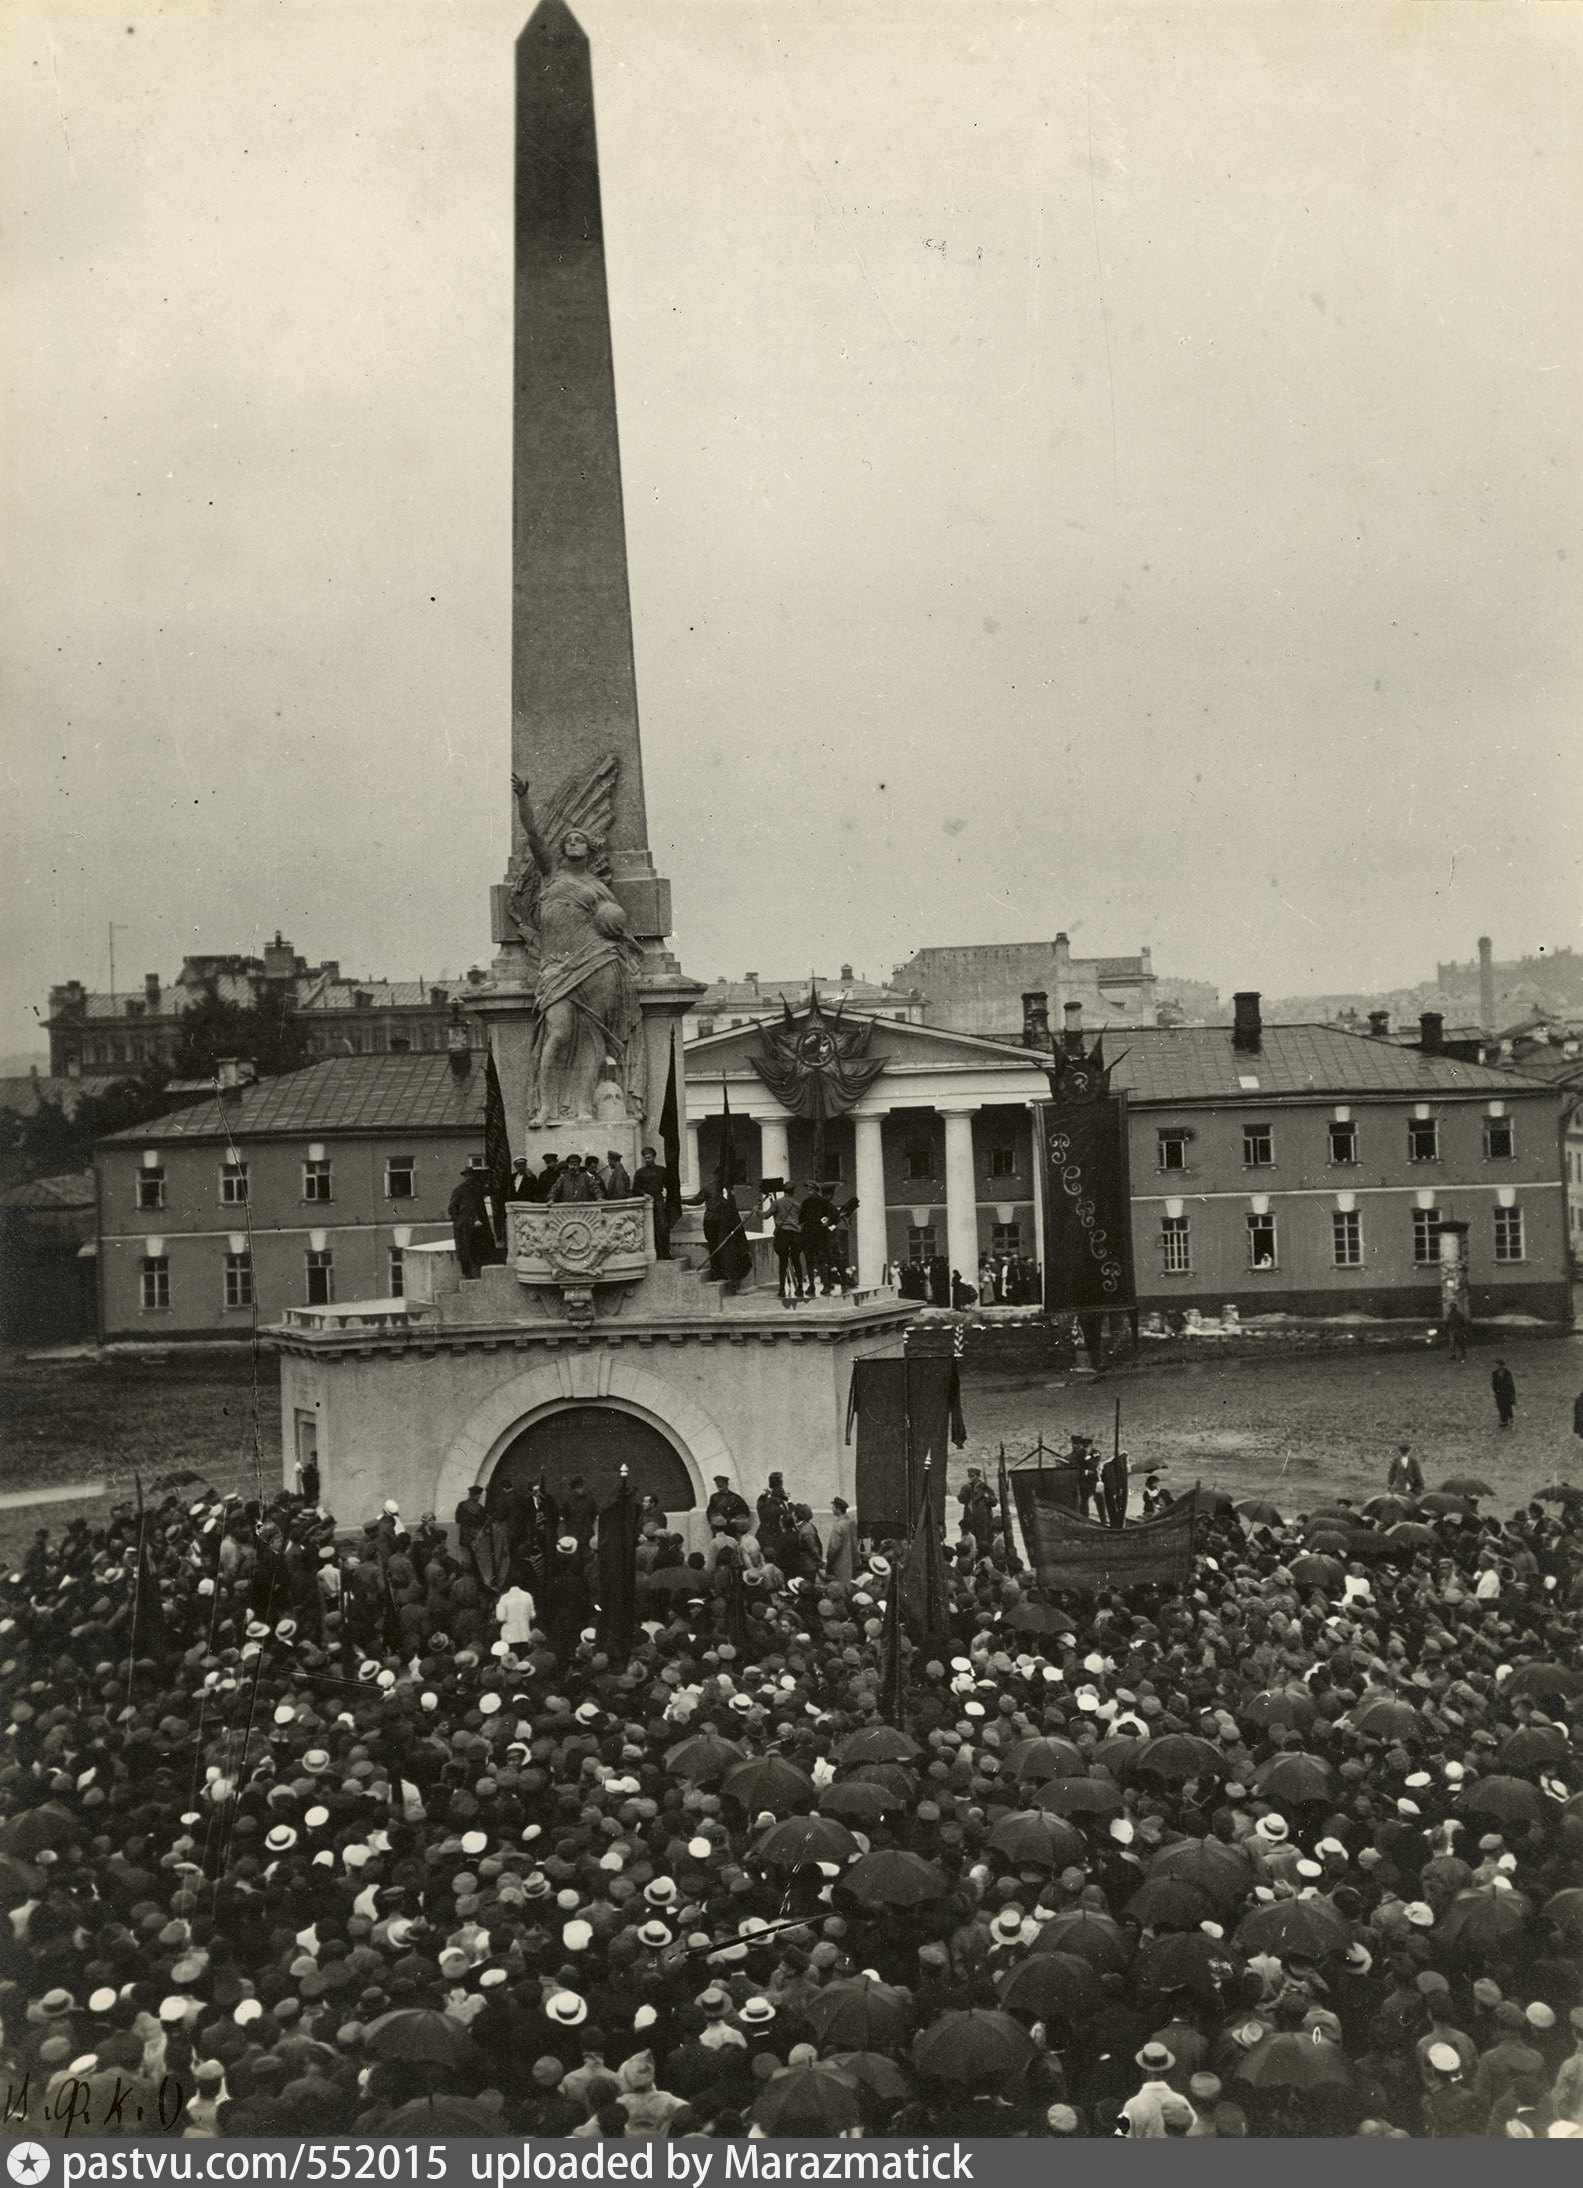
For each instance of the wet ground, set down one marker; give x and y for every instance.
(1283, 1429)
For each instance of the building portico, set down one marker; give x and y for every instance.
(938, 1152)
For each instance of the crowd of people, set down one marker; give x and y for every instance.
(308, 1832)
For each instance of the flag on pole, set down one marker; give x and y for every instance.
(671, 1143)
(926, 1587)
(497, 1149)
(1013, 1562)
(148, 1612)
(890, 1666)
(729, 1168)
(618, 1574)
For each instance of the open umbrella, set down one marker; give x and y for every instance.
(1465, 1485)
(892, 1878)
(1265, 1515)
(1288, 2059)
(1180, 1756)
(1216, 1502)
(1120, 1752)
(1312, 1927)
(419, 2034)
(1481, 1923)
(1080, 1797)
(702, 1757)
(1314, 1570)
(807, 2100)
(1331, 1515)
(877, 1744)
(36, 1829)
(1035, 1836)
(1411, 1534)
(1036, 1618)
(1223, 1871)
(805, 1838)
(1388, 1509)
(769, 1781)
(860, 2012)
(1170, 1903)
(1094, 1937)
(1035, 1760)
(1188, 1960)
(1062, 1984)
(1531, 1745)
(1294, 1777)
(1443, 1503)
(1383, 1717)
(1331, 1541)
(1513, 1800)
(858, 1800)
(895, 1777)
(881, 2077)
(19, 1879)
(1566, 1908)
(1534, 1681)
(974, 2046)
(442, 2113)
(672, 1580)
(1292, 1706)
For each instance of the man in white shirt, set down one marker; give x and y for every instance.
(1143, 2112)
(515, 1613)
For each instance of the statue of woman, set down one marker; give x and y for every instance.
(589, 1024)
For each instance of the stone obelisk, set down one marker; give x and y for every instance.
(573, 687)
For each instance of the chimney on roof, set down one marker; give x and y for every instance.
(1063, 950)
(459, 1047)
(1379, 1025)
(751, 978)
(1036, 1019)
(1072, 1028)
(232, 1073)
(1247, 1030)
(846, 975)
(151, 990)
(1486, 984)
(1431, 1033)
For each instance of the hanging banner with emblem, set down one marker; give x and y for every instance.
(1086, 1185)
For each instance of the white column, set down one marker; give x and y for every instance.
(961, 1194)
(692, 1180)
(869, 1185)
(774, 1154)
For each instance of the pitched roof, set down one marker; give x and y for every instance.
(1198, 1063)
(72, 1191)
(412, 1093)
(24, 1096)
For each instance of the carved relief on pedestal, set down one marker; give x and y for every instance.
(575, 1245)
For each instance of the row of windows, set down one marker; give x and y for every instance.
(318, 1280)
(1346, 1226)
(1174, 1142)
(317, 1182)
(922, 1246)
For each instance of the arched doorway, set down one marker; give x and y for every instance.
(595, 1441)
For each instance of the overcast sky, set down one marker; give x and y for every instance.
(1102, 467)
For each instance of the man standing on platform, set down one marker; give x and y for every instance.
(650, 1179)
(470, 1224)
(574, 1183)
(1113, 1482)
(613, 1177)
(787, 1220)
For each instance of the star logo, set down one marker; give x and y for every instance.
(28, 2163)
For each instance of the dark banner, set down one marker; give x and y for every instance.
(907, 1412)
(1068, 1552)
(1087, 1192)
(1037, 1489)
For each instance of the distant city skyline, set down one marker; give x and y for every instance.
(1102, 469)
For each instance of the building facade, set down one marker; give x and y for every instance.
(1300, 1170)
(978, 988)
(296, 1191)
(104, 1035)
